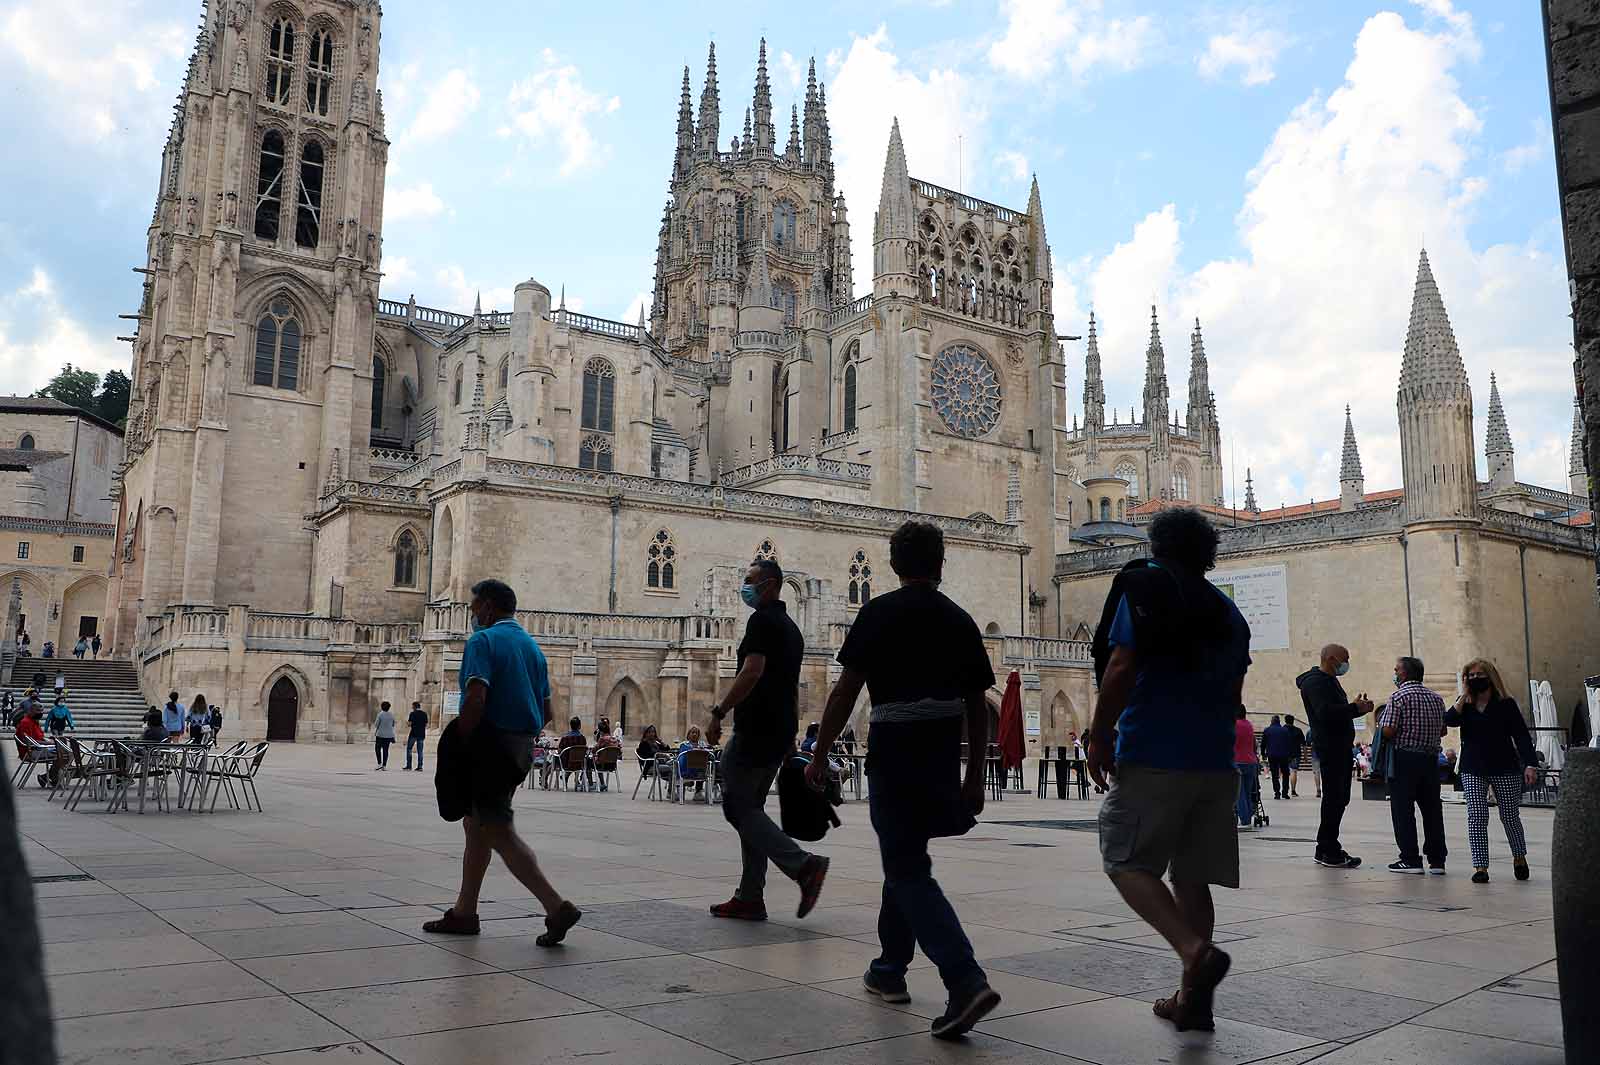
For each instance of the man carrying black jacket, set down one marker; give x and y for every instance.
(1332, 717)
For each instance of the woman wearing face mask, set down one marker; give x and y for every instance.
(1496, 751)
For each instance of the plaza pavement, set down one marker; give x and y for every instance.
(293, 938)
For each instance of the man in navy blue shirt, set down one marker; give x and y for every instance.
(486, 753)
(1170, 690)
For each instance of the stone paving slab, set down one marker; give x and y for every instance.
(293, 937)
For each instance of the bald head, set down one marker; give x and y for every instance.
(1333, 656)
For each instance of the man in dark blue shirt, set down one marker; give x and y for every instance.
(1171, 689)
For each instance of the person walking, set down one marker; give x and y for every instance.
(1412, 721)
(1171, 652)
(383, 735)
(923, 662)
(1297, 746)
(80, 648)
(1249, 769)
(486, 752)
(1275, 744)
(764, 698)
(1496, 752)
(173, 716)
(417, 724)
(1331, 716)
(216, 723)
(198, 719)
(94, 645)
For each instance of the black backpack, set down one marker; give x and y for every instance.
(806, 814)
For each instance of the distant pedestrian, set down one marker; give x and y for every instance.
(1244, 758)
(383, 735)
(1412, 721)
(94, 645)
(216, 722)
(1331, 716)
(80, 648)
(1277, 745)
(1496, 752)
(198, 719)
(61, 718)
(173, 716)
(1171, 652)
(922, 660)
(485, 753)
(1297, 746)
(417, 734)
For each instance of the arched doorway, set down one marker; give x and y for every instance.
(626, 707)
(283, 710)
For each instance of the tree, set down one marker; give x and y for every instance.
(75, 387)
(112, 402)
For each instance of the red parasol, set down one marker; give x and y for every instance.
(1011, 742)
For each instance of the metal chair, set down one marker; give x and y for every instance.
(87, 766)
(241, 769)
(608, 763)
(572, 760)
(139, 763)
(696, 769)
(29, 754)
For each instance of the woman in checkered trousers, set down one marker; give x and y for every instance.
(1496, 752)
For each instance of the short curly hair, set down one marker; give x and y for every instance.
(916, 550)
(1183, 535)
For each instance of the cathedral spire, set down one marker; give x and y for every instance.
(1497, 442)
(710, 106)
(1094, 388)
(824, 150)
(792, 150)
(685, 150)
(763, 104)
(1577, 475)
(1437, 453)
(758, 283)
(893, 266)
(1352, 485)
(747, 144)
(1250, 493)
(1156, 395)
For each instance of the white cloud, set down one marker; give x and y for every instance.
(445, 105)
(455, 292)
(1312, 313)
(1253, 49)
(1043, 34)
(1539, 148)
(397, 271)
(791, 72)
(941, 122)
(38, 336)
(553, 109)
(640, 301)
(1013, 165)
(414, 201)
(99, 71)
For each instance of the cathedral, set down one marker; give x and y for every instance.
(317, 473)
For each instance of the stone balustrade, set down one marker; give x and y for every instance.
(1040, 649)
(452, 620)
(96, 529)
(391, 458)
(854, 309)
(799, 463)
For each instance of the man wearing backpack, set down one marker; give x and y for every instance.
(926, 670)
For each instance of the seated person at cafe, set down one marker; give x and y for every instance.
(574, 737)
(154, 730)
(809, 744)
(691, 742)
(603, 737)
(650, 746)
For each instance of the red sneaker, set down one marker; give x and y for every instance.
(740, 910)
(810, 881)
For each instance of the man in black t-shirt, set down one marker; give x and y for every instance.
(923, 662)
(418, 722)
(764, 698)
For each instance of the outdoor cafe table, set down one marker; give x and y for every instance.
(143, 751)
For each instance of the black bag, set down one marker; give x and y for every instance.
(806, 814)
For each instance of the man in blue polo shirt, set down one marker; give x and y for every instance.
(486, 753)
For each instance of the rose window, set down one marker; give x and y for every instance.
(966, 391)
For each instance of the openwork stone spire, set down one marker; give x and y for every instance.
(758, 283)
(1577, 474)
(894, 200)
(1250, 493)
(1438, 457)
(765, 137)
(1350, 461)
(1497, 443)
(1156, 395)
(1094, 387)
(710, 106)
(1431, 355)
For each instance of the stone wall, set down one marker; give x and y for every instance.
(57, 592)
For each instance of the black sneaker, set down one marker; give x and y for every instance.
(1406, 867)
(961, 1014)
(1480, 876)
(1520, 870)
(884, 988)
(1345, 860)
(1435, 870)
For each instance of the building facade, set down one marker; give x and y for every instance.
(316, 475)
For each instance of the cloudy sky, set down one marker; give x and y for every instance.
(1270, 167)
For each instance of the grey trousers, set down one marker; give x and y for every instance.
(744, 798)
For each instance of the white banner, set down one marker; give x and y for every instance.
(1262, 595)
(452, 704)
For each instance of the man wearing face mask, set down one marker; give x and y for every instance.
(1332, 716)
(764, 698)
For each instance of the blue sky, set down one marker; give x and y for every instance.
(1272, 168)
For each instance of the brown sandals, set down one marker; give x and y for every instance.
(1190, 1008)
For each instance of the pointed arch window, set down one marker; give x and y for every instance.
(784, 217)
(1122, 510)
(850, 398)
(379, 382)
(269, 185)
(599, 397)
(661, 566)
(319, 72)
(455, 390)
(504, 378)
(1180, 484)
(277, 362)
(280, 62)
(1127, 471)
(595, 453)
(1105, 509)
(785, 299)
(308, 200)
(26, 443)
(860, 579)
(766, 550)
(405, 560)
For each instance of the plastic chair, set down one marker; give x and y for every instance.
(696, 769)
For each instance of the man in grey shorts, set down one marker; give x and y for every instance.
(1172, 652)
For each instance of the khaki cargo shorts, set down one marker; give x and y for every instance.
(1161, 820)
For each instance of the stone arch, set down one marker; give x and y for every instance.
(443, 561)
(35, 604)
(627, 705)
(83, 598)
(992, 629)
(183, 298)
(282, 701)
(1063, 716)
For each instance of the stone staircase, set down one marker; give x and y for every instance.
(104, 696)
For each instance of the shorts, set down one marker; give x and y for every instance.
(476, 776)
(1182, 821)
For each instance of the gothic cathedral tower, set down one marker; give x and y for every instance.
(252, 359)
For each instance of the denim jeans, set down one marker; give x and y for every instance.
(914, 909)
(414, 741)
(744, 797)
(1249, 787)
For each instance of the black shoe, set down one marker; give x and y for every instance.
(960, 1014)
(1521, 870)
(1480, 876)
(1343, 860)
(1435, 870)
(884, 988)
(558, 924)
(1406, 867)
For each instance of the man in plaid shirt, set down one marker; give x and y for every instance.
(1412, 721)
